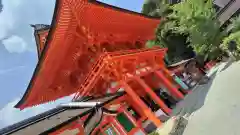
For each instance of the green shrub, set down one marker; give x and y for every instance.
(232, 37)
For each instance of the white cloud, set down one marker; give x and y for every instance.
(4, 71)
(6, 22)
(7, 19)
(16, 17)
(10, 115)
(15, 44)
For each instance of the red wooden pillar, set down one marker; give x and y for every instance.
(151, 82)
(141, 120)
(138, 102)
(162, 105)
(174, 91)
(166, 70)
(136, 108)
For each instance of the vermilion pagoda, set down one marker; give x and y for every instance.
(93, 49)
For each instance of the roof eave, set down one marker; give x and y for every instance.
(41, 57)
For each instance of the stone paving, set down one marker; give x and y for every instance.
(217, 111)
(213, 108)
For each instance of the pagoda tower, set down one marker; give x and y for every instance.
(92, 49)
(40, 34)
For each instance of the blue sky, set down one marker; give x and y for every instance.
(18, 56)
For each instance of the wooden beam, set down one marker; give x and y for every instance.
(150, 92)
(173, 90)
(138, 102)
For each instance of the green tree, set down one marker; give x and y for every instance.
(192, 24)
(234, 35)
(157, 8)
(234, 25)
(197, 19)
(178, 49)
(166, 36)
(148, 7)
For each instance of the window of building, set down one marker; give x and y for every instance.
(110, 131)
(125, 122)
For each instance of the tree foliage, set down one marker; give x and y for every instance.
(234, 35)
(197, 19)
(178, 48)
(148, 7)
(234, 25)
(157, 8)
(191, 24)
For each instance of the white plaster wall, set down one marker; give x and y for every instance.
(221, 3)
(229, 12)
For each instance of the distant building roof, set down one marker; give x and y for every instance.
(40, 26)
(180, 63)
(40, 34)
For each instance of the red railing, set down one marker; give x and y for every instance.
(99, 66)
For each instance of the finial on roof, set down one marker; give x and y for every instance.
(32, 25)
(39, 26)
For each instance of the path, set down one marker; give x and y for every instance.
(219, 107)
(213, 108)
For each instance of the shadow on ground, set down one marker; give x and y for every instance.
(190, 104)
(194, 100)
(227, 65)
(186, 107)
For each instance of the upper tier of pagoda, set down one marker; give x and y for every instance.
(80, 31)
(40, 34)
